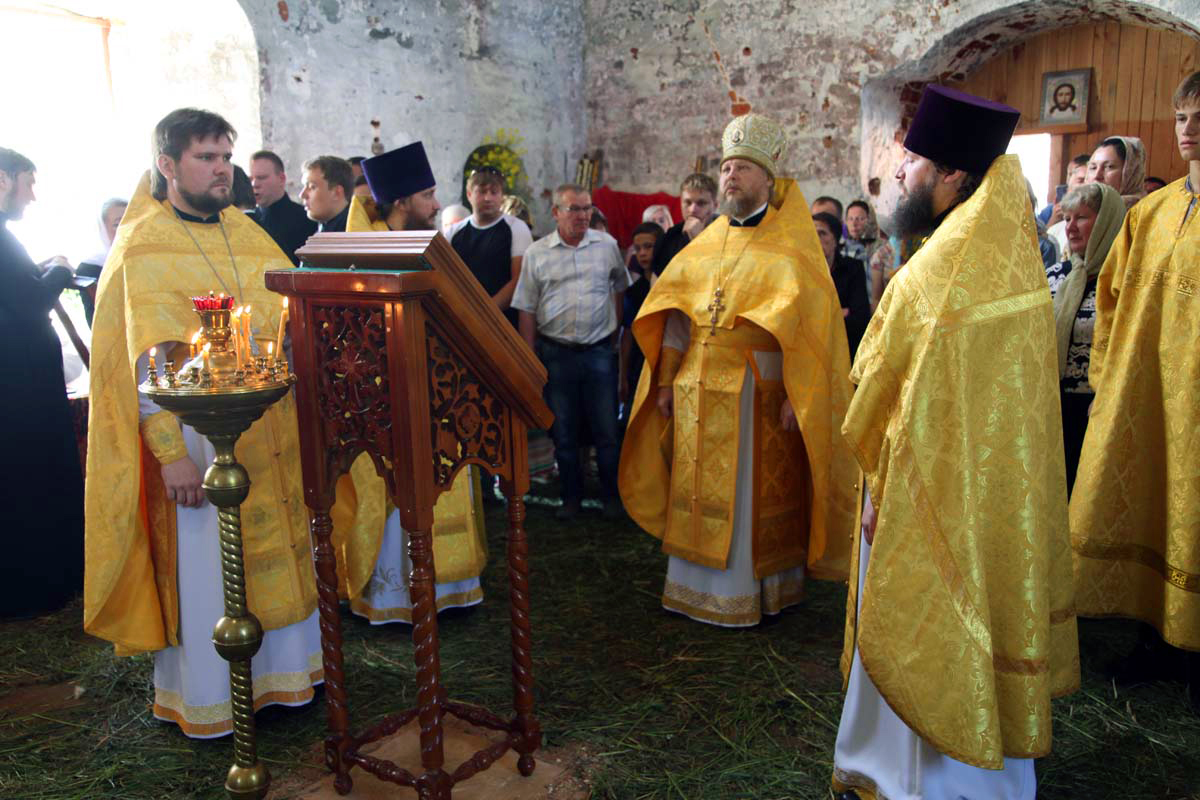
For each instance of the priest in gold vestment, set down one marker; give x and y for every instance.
(375, 563)
(153, 575)
(960, 622)
(733, 455)
(1135, 511)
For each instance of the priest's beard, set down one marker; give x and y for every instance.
(914, 213)
(741, 206)
(205, 203)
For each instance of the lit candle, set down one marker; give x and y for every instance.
(283, 318)
(153, 350)
(195, 338)
(204, 353)
(235, 324)
(247, 333)
(271, 352)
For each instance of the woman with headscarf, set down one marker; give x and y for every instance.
(1093, 214)
(1119, 162)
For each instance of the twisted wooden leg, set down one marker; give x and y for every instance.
(434, 784)
(529, 732)
(338, 741)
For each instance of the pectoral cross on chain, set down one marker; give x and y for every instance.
(716, 306)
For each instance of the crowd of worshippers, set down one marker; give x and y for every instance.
(981, 419)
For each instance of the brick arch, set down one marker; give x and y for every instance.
(889, 99)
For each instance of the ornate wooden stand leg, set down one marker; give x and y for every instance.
(338, 740)
(529, 736)
(237, 635)
(434, 784)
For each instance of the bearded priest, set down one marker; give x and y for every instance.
(960, 625)
(732, 455)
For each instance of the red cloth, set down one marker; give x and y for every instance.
(624, 210)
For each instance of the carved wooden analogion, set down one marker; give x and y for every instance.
(402, 355)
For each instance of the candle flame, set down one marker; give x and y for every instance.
(246, 308)
(207, 347)
(153, 350)
(270, 348)
(285, 302)
(195, 337)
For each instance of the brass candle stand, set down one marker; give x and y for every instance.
(220, 393)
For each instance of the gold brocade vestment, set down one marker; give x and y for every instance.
(154, 269)
(967, 626)
(1135, 509)
(459, 538)
(677, 476)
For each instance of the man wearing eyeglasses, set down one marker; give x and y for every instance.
(569, 297)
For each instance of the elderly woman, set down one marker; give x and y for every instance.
(1093, 214)
(1119, 162)
(847, 279)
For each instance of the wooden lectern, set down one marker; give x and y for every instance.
(401, 354)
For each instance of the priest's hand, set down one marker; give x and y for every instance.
(787, 417)
(869, 520)
(182, 481)
(666, 401)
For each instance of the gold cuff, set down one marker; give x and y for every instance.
(163, 436)
(669, 361)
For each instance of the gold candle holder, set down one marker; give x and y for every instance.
(221, 402)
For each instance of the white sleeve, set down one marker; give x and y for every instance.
(677, 333)
(526, 294)
(521, 237)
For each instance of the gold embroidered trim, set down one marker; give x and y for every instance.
(287, 688)
(746, 609)
(1147, 557)
(161, 433)
(403, 614)
(1164, 279)
(668, 366)
(1002, 307)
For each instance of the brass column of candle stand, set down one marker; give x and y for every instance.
(221, 397)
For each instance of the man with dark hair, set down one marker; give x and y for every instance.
(42, 490)
(570, 294)
(402, 199)
(491, 243)
(278, 214)
(962, 627)
(828, 205)
(328, 187)
(1135, 519)
(403, 190)
(698, 202)
(360, 183)
(152, 581)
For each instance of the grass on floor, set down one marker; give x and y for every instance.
(659, 706)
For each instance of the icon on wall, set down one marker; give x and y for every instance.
(1065, 97)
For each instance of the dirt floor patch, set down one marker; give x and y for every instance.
(40, 698)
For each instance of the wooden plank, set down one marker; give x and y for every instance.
(1146, 99)
(1170, 71)
(1162, 128)
(1131, 55)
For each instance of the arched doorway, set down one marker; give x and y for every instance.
(86, 82)
(978, 55)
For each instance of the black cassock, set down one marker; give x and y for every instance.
(41, 484)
